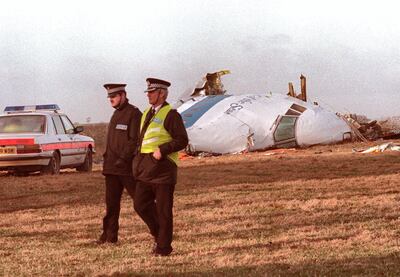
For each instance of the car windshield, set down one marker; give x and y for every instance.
(22, 124)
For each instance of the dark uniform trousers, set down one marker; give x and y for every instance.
(115, 185)
(157, 217)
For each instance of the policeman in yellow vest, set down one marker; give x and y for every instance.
(162, 135)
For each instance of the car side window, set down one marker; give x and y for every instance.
(58, 124)
(69, 127)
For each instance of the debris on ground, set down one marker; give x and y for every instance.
(279, 151)
(221, 123)
(391, 127)
(375, 129)
(380, 148)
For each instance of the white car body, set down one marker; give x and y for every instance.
(33, 149)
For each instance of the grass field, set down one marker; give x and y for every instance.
(319, 211)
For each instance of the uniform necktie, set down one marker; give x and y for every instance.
(152, 112)
(149, 116)
(146, 123)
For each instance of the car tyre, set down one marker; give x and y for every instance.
(88, 163)
(53, 168)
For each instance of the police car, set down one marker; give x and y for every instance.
(40, 138)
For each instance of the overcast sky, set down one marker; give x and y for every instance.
(64, 51)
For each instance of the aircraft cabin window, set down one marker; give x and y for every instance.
(292, 112)
(295, 110)
(298, 108)
(285, 131)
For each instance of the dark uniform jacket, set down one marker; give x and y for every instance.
(164, 171)
(122, 135)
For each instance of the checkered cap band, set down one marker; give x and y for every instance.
(156, 86)
(152, 87)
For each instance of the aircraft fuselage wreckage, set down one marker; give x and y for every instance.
(220, 123)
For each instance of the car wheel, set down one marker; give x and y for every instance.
(53, 168)
(88, 163)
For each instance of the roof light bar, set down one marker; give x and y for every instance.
(32, 108)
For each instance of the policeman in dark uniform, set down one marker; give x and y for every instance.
(122, 139)
(162, 135)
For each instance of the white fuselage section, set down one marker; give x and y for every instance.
(234, 123)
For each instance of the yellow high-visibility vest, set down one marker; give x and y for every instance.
(156, 134)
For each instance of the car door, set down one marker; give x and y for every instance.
(78, 150)
(64, 142)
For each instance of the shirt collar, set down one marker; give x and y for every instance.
(156, 109)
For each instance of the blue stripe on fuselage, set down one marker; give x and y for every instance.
(191, 115)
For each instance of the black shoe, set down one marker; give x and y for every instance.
(162, 252)
(112, 240)
(103, 239)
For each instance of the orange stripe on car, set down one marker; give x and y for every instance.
(46, 146)
(65, 145)
(15, 141)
